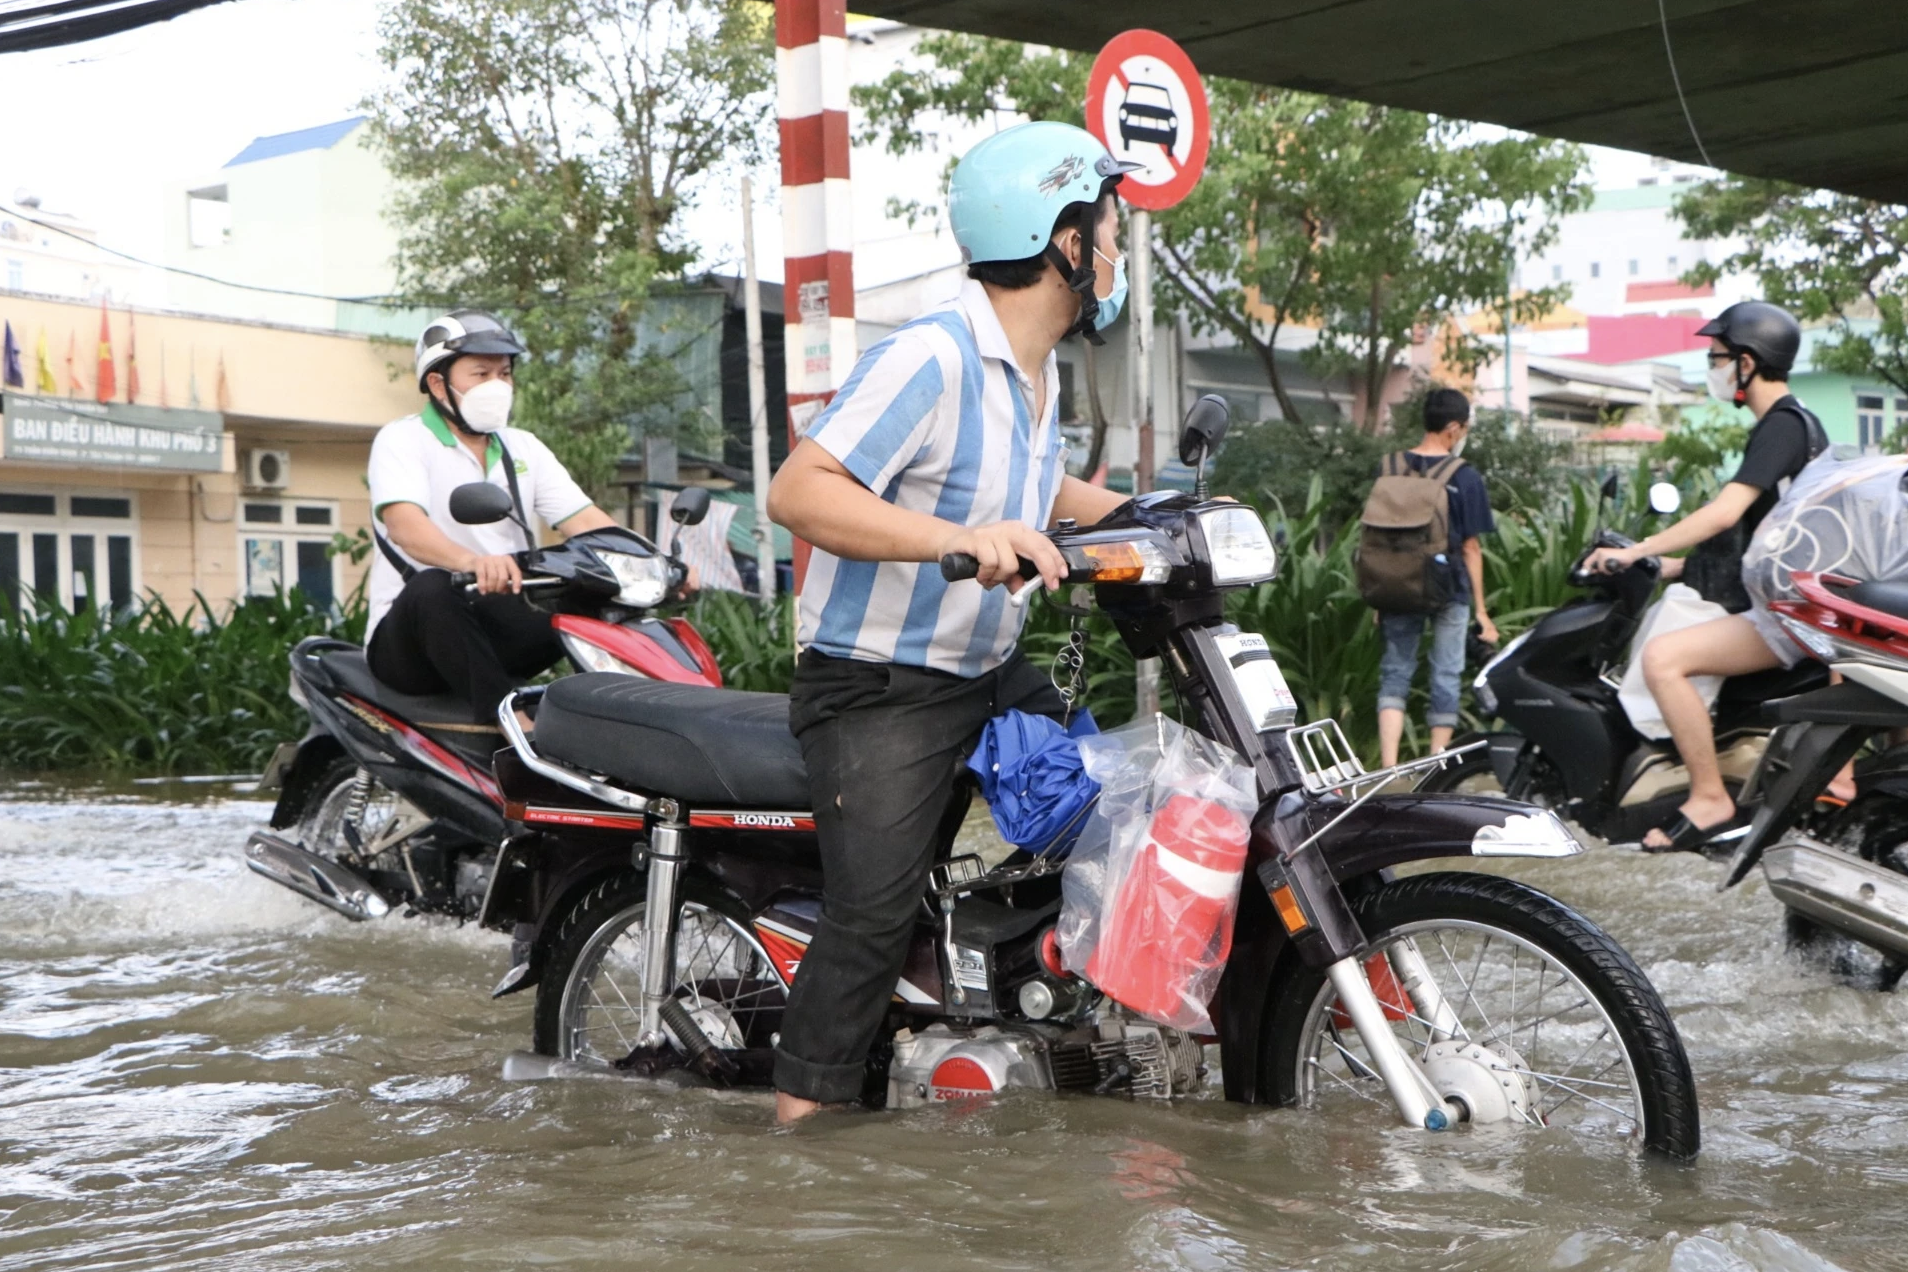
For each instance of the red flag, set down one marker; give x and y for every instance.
(108, 381)
(132, 361)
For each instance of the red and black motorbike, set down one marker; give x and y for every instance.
(665, 853)
(389, 800)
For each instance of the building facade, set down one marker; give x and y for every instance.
(229, 473)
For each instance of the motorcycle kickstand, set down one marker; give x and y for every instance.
(665, 858)
(1419, 1103)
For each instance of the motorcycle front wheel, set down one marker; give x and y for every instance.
(1549, 1023)
(591, 991)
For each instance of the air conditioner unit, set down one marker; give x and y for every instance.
(267, 469)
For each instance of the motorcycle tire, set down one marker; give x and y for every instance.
(1617, 1008)
(321, 806)
(714, 928)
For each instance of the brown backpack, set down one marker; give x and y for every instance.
(1404, 538)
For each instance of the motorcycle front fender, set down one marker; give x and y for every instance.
(1384, 832)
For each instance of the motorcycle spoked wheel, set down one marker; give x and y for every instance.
(591, 988)
(321, 826)
(1561, 1013)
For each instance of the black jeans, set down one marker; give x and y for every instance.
(885, 745)
(441, 639)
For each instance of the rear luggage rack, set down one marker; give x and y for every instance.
(1327, 763)
(590, 784)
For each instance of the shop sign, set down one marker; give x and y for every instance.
(109, 434)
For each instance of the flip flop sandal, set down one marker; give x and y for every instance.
(1685, 836)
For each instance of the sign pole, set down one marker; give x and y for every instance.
(1139, 256)
(758, 403)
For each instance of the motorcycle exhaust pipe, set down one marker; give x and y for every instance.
(318, 878)
(1842, 892)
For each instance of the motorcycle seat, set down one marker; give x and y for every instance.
(1890, 596)
(702, 746)
(352, 674)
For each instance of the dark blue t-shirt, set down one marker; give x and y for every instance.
(1470, 506)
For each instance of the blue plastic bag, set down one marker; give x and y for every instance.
(1031, 776)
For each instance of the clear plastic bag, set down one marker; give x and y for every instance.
(1838, 516)
(1150, 891)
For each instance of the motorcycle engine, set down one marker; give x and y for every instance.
(1113, 1056)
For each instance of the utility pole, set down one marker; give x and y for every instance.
(758, 403)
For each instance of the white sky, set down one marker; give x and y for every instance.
(114, 121)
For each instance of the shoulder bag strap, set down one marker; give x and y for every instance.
(516, 496)
(404, 568)
(1441, 471)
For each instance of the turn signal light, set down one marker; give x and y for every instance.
(1126, 562)
(1285, 901)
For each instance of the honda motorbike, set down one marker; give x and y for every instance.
(388, 800)
(1569, 744)
(664, 849)
(1840, 871)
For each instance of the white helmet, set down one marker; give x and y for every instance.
(459, 332)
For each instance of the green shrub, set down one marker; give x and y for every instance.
(154, 690)
(755, 648)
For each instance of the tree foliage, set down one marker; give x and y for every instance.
(545, 151)
(1369, 224)
(1827, 257)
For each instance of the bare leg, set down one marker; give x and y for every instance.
(1723, 647)
(1390, 733)
(792, 1108)
(1440, 739)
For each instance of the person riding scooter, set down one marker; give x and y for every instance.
(945, 440)
(427, 635)
(1752, 348)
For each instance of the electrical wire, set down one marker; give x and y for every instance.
(1662, 16)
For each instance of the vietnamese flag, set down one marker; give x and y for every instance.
(108, 382)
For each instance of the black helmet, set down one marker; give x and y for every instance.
(1768, 331)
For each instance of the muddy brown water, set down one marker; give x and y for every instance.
(199, 1070)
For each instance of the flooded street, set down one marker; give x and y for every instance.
(199, 1070)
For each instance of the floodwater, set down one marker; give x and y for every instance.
(201, 1071)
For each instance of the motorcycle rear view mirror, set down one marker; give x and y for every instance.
(478, 503)
(1205, 429)
(1665, 498)
(1610, 487)
(691, 506)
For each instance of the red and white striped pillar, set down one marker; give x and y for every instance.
(818, 269)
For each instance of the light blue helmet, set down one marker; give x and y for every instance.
(1007, 191)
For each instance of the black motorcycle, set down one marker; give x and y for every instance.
(1569, 745)
(664, 850)
(388, 800)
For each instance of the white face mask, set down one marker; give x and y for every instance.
(486, 408)
(1722, 383)
(1462, 443)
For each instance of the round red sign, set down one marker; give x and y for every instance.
(1146, 104)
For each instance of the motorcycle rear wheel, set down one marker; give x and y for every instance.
(320, 827)
(1559, 1008)
(589, 995)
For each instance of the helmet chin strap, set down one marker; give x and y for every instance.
(1081, 279)
(1742, 383)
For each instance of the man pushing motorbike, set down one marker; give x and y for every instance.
(945, 439)
(1752, 347)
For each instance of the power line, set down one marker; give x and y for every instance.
(56, 22)
(1662, 16)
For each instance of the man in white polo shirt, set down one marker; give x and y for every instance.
(425, 635)
(946, 438)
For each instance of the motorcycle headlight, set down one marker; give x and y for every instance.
(644, 579)
(1239, 546)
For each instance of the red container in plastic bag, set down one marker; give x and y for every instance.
(1171, 922)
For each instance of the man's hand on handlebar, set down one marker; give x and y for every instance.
(999, 547)
(1611, 560)
(498, 573)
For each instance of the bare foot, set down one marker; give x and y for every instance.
(1704, 814)
(1842, 786)
(792, 1108)
(525, 723)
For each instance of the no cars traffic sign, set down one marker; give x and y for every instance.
(1145, 103)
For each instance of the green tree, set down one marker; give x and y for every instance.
(1827, 257)
(1370, 224)
(545, 150)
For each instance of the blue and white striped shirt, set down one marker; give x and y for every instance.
(936, 418)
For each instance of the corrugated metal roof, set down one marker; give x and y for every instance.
(323, 137)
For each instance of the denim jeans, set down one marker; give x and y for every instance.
(1400, 660)
(885, 747)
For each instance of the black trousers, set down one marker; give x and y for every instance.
(441, 639)
(885, 745)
